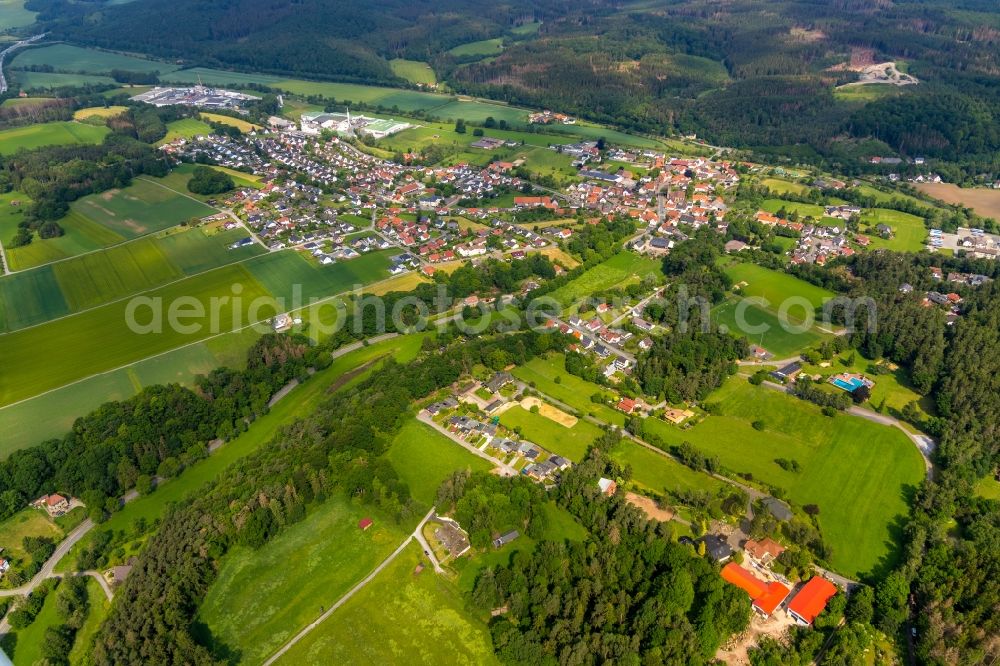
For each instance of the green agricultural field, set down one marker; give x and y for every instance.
(185, 128)
(262, 597)
(201, 249)
(14, 15)
(763, 327)
(99, 277)
(424, 458)
(541, 373)
(66, 58)
(483, 48)
(53, 80)
(881, 197)
(571, 443)
(49, 134)
(860, 474)
(909, 231)
(775, 286)
(80, 235)
(30, 298)
(617, 271)
(240, 124)
(143, 207)
(413, 71)
(477, 111)
(25, 523)
(99, 340)
(400, 616)
(657, 473)
(180, 175)
(282, 272)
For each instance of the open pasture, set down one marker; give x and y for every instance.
(908, 231)
(779, 186)
(617, 271)
(775, 286)
(185, 128)
(656, 473)
(262, 597)
(14, 15)
(141, 208)
(400, 616)
(424, 458)
(49, 134)
(414, 71)
(53, 80)
(762, 326)
(484, 48)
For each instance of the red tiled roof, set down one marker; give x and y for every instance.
(812, 598)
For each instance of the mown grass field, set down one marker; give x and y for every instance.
(263, 597)
(99, 339)
(617, 271)
(775, 286)
(400, 616)
(909, 231)
(860, 474)
(424, 458)
(571, 443)
(143, 207)
(657, 473)
(765, 328)
(66, 58)
(414, 71)
(49, 134)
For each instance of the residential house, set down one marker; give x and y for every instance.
(607, 486)
(763, 552)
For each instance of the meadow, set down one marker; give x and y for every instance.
(775, 286)
(53, 80)
(414, 71)
(26, 522)
(97, 611)
(240, 124)
(49, 134)
(570, 443)
(860, 474)
(400, 616)
(98, 112)
(424, 458)
(909, 231)
(483, 48)
(14, 15)
(74, 59)
(542, 372)
(817, 213)
(656, 473)
(285, 274)
(780, 186)
(263, 597)
(621, 269)
(185, 128)
(143, 207)
(80, 235)
(763, 327)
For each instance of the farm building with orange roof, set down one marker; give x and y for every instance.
(765, 596)
(811, 600)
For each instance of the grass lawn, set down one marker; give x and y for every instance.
(185, 128)
(658, 473)
(779, 186)
(26, 522)
(571, 390)
(99, 340)
(764, 327)
(413, 71)
(988, 488)
(64, 57)
(909, 231)
(571, 443)
(240, 124)
(775, 286)
(424, 458)
(859, 473)
(400, 616)
(143, 207)
(617, 271)
(49, 134)
(263, 597)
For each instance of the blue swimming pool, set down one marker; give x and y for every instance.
(849, 385)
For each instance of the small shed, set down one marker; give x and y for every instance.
(365, 523)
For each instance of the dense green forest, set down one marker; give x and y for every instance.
(747, 73)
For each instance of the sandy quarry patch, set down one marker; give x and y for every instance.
(549, 412)
(734, 651)
(648, 506)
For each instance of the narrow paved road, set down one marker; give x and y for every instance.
(505, 469)
(354, 590)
